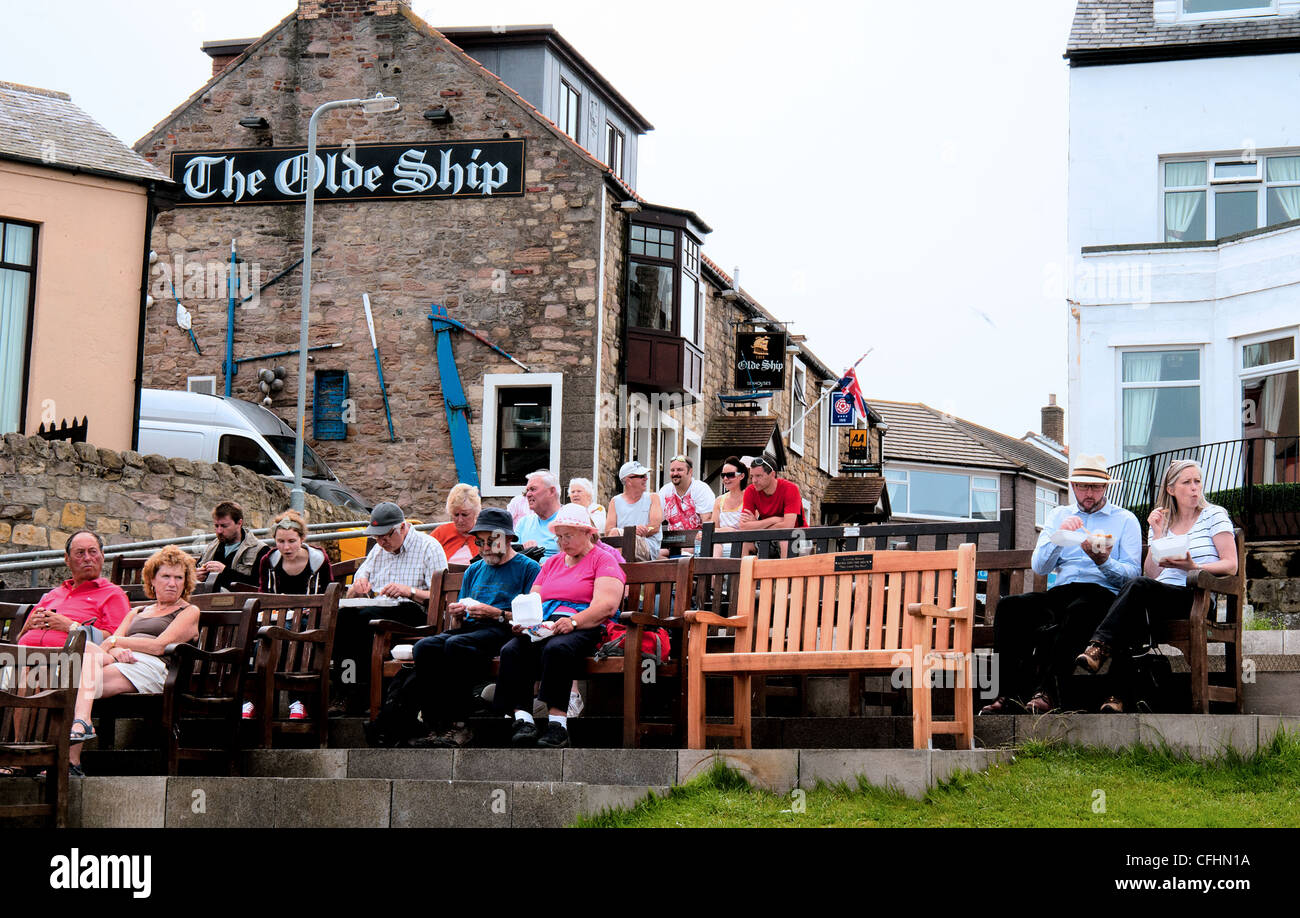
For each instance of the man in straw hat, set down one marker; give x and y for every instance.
(1035, 635)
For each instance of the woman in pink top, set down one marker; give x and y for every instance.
(580, 588)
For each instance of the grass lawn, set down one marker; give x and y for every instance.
(1043, 786)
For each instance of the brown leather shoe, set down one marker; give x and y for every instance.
(1041, 703)
(1094, 658)
(1000, 705)
(1112, 705)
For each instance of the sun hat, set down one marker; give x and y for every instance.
(574, 515)
(1090, 470)
(494, 519)
(631, 468)
(386, 517)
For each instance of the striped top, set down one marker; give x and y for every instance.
(1212, 521)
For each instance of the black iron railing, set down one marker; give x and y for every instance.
(1257, 480)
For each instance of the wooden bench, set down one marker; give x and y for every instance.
(1010, 573)
(295, 639)
(37, 704)
(444, 589)
(205, 682)
(12, 616)
(847, 612)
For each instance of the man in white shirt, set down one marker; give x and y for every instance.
(685, 501)
(399, 567)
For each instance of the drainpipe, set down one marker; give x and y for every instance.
(150, 214)
(600, 341)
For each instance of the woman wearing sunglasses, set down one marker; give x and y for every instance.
(726, 509)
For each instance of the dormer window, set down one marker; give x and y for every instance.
(1225, 9)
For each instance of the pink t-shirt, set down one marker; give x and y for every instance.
(98, 602)
(578, 583)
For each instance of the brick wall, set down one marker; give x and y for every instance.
(520, 270)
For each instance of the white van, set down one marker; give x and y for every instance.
(210, 428)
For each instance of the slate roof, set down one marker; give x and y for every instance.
(919, 433)
(1116, 31)
(858, 490)
(742, 435)
(45, 127)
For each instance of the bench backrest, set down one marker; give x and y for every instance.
(127, 570)
(715, 582)
(444, 589)
(12, 615)
(852, 600)
(292, 613)
(219, 629)
(660, 588)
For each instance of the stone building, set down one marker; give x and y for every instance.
(618, 333)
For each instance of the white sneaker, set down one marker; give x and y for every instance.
(575, 704)
(297, 711)
(249, 712)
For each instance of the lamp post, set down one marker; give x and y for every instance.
(378, 103)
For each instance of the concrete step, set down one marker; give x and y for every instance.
(416, 788)
(1199, 736)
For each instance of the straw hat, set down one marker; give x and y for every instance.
(1090, 470)
(574, 515)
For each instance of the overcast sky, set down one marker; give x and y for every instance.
(884, 174)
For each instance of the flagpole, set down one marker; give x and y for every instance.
(825, 392)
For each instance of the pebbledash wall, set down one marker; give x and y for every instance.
(51, 489)
(542, 273)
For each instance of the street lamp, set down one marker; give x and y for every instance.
(377, 104)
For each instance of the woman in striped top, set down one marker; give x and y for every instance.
(1164, 592)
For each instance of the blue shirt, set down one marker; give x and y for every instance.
(1072, 565)
(532, 529)
(497, 584)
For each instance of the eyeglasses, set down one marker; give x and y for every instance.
(634, 476)
(1090, 487)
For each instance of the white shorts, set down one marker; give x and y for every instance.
(148, 673)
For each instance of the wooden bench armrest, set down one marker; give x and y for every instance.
(699, 616)
(274, 633)
(926, 609)
(49, 698)
(1216, 583)
(388, 626)
(182, 654)
(648, 620)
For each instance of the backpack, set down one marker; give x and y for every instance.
(399, 717)
(654, 643)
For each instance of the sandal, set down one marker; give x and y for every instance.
(1112, 705)
(11, 771)
(87, 732)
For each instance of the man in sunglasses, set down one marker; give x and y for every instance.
(448, 665)
(1036, 635)
(685, 500)
(770, 502)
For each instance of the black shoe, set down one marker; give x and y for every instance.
(1001, 705)
(525, 734)
(555, 737)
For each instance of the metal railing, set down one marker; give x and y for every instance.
(1257, 480)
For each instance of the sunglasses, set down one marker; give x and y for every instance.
(634, 476)
(731, 475)
(762, 464)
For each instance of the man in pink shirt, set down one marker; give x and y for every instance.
(88, 599)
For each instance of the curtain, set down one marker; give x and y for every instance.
(1274, 396)
(1180, 209)
(1139, 404)
(1286, 169)
(13, 341)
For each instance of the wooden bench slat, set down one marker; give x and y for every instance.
(780, 604)
(812, 606)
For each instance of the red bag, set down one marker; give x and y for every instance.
(654, 643)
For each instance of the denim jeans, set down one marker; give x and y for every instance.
(447, 665)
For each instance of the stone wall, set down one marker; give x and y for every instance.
(519, 270)
(51, 489)
(1273, 581)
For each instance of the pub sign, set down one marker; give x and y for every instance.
(843, 410)
(354, 172)
(760, 360)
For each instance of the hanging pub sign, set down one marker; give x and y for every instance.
(356, 172)
(842, 409)
(760, 360)
(859, 446)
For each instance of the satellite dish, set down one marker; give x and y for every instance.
(183, 317)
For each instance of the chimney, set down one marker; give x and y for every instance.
(224, 52)
(1053, 423)
(349, 9)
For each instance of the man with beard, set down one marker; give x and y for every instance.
(1035, 635)
(685, 500)
(236, 553)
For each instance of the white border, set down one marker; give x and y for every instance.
(491, 383)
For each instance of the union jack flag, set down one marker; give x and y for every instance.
(849, 385)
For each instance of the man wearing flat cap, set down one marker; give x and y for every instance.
(1033, 633)
(400, 567)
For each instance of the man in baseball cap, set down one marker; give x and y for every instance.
(400, 566)
(1036, 635)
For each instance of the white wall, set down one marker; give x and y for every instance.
(1123, 118)
(1207, 296)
